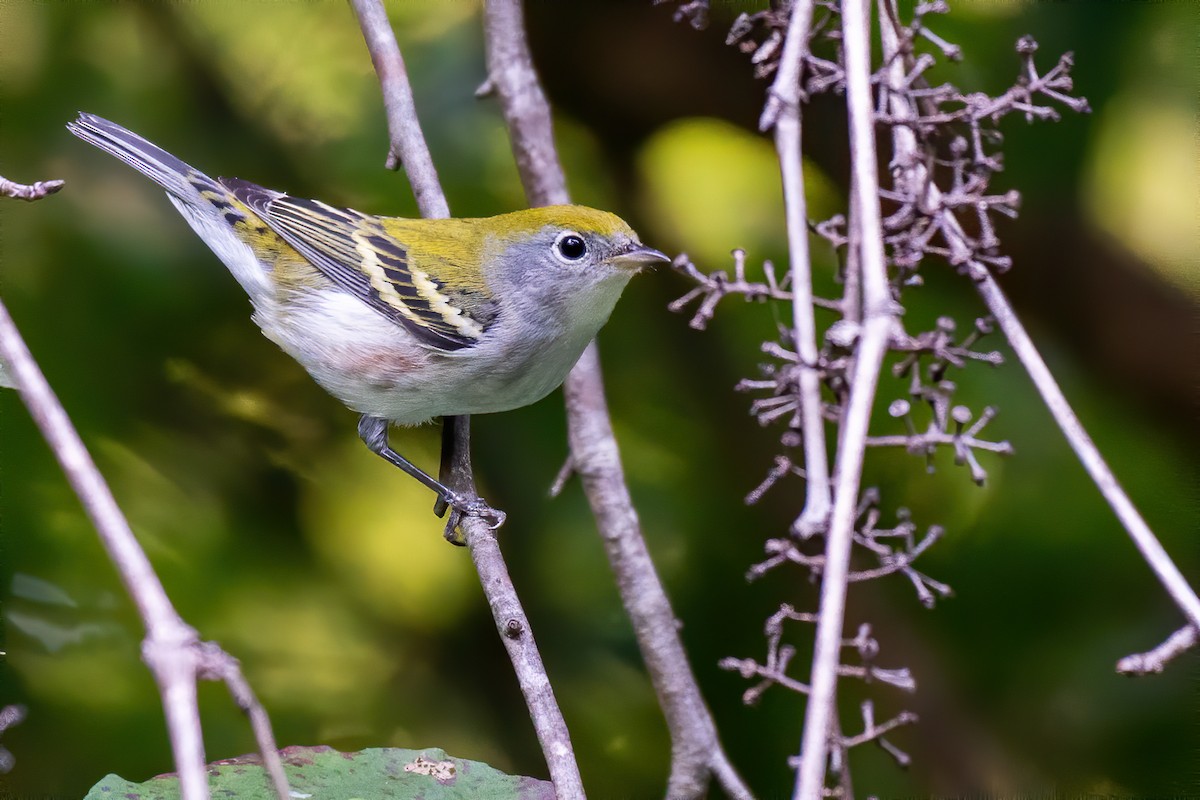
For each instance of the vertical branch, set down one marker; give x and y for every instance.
(866, 237)
(696, 752)
(408, 144)
(783, 111)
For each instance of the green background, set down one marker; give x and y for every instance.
(321, 568)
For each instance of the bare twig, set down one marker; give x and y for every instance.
(1156, 660)
(913, 177)
(715, 286)
(779, 656)
(408, 144)
(516, 632)
(1089, 455)
(783, 113)
(866, 238)
(408, 147)
(523, 104)
(517, 636)
(695, 749)
(34, 191)
(171, 649)
(215, 664)
(873, 732)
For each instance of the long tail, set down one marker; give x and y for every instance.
(210, 208)
(158, 165)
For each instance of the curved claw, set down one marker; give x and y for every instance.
(469, 507)
(477, 507)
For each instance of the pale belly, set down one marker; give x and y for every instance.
(375, 367)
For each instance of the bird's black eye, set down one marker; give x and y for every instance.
(570, 246)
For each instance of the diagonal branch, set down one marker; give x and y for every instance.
(696, 752)
(172, 649)
(913, 175)
(408, 144)
(1155, 660)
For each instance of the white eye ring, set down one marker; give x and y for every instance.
(570, 247)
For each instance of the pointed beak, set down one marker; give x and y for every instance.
(639, 256)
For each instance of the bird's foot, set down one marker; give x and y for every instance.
(462, 506)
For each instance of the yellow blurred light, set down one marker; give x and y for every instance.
(299, 68)
(23, 42)
(991, 9)
(713, 186)
(1144, 184)
(304, 647)
(374, 526)
(97, 678)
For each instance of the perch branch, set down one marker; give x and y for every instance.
(695, 749)
(515, 631)
(408, 144)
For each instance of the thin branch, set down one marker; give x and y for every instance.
(1156, 660)
(873, 732)
(715, 286)
(515, 631)
(695, 749)
(216, 665)
(523, 104)
(408, 147)
(783, 112)
(913, 176)
(1089, 455)
(34, 191)
(866, 235)
(171, 648)
(408, 143)
(527, 662)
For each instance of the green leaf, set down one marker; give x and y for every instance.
(322, 772)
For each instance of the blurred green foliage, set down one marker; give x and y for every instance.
(321, 568)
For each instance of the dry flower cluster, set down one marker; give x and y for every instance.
(939, 209)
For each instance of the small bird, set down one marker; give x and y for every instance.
(405, 320)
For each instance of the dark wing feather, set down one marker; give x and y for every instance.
(361, 258)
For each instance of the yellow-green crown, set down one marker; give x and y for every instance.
(580, 218)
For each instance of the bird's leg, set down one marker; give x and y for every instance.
(374, 433)
(447, 463)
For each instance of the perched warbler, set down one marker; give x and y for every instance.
(404, 320)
